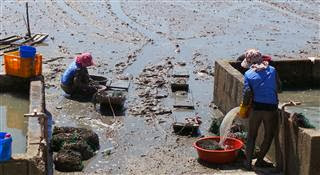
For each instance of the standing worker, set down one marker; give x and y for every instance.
(261, 84)
(76, 79)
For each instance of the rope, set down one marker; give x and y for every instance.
(114, 115)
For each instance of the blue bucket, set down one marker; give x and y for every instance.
(5, 147)
(27, 52)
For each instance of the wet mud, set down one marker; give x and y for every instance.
(129, 39)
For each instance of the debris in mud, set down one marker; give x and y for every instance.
(180, 63)
(58, 107)
(73, 145)
(195, 121)
(152, 83)
(107, 152)
(177, 49)
(124, 77)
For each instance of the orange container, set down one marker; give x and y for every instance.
(22, 67)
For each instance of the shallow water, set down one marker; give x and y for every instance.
(12, 109)
(310, 104)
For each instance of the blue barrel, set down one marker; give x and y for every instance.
(5, 147)
(27, 52)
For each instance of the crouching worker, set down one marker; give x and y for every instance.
(76, 79)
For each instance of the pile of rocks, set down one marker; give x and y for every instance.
(72, 146)
(152, 86)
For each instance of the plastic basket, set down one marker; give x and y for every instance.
(22, 67)
(5, 147)
(27, 51)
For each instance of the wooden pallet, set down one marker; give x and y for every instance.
(183, 99)
(180, 125)
(12, 46)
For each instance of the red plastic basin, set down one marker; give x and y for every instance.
(219, 156)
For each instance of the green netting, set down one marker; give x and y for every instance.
(302, 121)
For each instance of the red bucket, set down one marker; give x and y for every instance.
(219, 156)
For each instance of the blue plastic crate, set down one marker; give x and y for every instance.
(5, 147)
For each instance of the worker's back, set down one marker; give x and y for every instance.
(263, 84)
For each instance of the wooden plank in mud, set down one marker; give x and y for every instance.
(180, 72)
(180, 125)
(183, 99)
(120, 84)
(180, 115)
(38, 38)
(10, 39)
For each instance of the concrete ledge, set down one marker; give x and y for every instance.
(300, 146)
(34, 161)
(294, 73)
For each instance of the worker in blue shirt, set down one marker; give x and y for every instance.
(75, 80)
(261, 84)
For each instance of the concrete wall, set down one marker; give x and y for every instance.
(34, 161)
(299, 146)
(294, 73)
(228, 84)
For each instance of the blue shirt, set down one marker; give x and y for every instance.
(68, 75)
(263, 84)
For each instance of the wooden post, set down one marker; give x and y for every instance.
(28, 24)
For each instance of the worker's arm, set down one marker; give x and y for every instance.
(80, 79)
(247, 92)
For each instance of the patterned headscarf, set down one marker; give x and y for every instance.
(253, 59)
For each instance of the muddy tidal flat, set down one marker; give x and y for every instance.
(136, 40)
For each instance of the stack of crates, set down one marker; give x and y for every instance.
(22, 67)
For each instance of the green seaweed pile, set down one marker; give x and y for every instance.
(210, 145)
(72, 146)
(215, 125)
